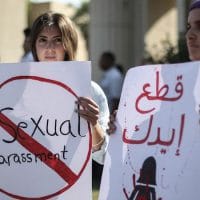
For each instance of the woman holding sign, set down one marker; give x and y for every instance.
(54, 38)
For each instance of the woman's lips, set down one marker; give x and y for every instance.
(192, 45)
(50, 58)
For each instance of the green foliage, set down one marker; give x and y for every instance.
(81, 18)
(170, 54)
(83, 10)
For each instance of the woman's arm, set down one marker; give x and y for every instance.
(89, 110)
(95, 110)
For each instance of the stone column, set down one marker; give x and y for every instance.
(111, 29)
(140, 22)
(181, 6)
(12, 22)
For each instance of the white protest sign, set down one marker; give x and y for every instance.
(45, 147)
(154, 155)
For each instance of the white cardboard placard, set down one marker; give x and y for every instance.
(45, 147)
(154, 154)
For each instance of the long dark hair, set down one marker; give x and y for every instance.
(64, 24)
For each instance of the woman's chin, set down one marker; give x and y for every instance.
(50, 59)
(194, 57)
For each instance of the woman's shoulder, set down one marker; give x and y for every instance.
(96, 88)
(97, 92)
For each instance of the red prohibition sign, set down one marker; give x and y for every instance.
(35, 147)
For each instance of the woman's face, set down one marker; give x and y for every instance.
(193, 34)
(49, 45)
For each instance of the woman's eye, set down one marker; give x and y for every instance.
(198, 27)
(188, 26)
(42, 40)
(58, 40)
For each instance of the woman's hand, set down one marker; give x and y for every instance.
(89, 110)
(111, 124)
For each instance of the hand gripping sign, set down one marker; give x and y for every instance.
(44, 144)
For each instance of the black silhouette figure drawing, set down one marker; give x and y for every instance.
(145, 187)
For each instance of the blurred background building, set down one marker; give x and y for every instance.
(131, 29)
(13, 19)
(136, 31)
(16, 15)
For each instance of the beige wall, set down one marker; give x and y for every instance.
(12, 22)
(111, 29)
(162, 24)
(126, 26)
(38, 8)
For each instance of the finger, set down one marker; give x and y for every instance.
(110, 130)
(112, 118)
(114, 113)
(89, 116)
(111, 127)
(87, 113)
(87, 101)
(89, 107)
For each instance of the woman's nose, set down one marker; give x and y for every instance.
(50, 45)
(190, 34)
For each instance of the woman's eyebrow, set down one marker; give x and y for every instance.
(194, 21)
(197, 22)
(57, 36)
(42, 36)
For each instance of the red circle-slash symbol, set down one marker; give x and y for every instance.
(35, 147)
